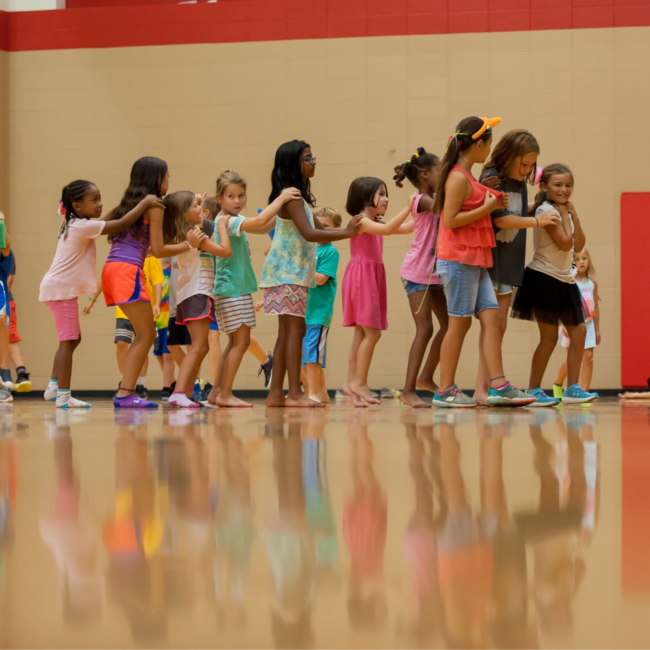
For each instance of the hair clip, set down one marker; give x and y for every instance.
(416, 155)
(488, 123)
(62, 210)
(454, 137)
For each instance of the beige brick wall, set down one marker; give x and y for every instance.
(4, 131)
(364, 105)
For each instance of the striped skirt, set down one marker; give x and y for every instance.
(232, 313)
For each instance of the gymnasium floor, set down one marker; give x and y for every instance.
(384, 528)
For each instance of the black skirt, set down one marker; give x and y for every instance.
(544, 299)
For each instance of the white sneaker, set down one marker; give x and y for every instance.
(5, 396)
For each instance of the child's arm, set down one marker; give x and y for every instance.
(321, 278)
(385, 229)
(112, 226)
(561, 233)
(159, 249)
(296, 212)
(157, 293)
(515, 222)
(579, 239)
(253, 224)
(596, 313)
(455, 193)
(218, 250)
(91, 302)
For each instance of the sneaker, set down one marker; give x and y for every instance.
(5, 395)
(23, 383)
(166, 394)
(390, 393)
(453, 398)
(575, 395)
(205, 392)
(198, 386)
(5, 379)
(141, 391)
(557, 391)
(133, 402)
(508, 395)
(267, 369)
(542, 399)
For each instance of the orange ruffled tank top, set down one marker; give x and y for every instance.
(471, 244)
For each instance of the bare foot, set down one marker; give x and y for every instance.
(347, 391)
(275, 400)
(302, 402)
(324, 397)
(213, 396)
(365, 394)
(358, 403)
(412, 400)
(427, 384)
(481, 399)
(233, 403)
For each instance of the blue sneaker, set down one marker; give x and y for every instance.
(542, 399)
(575, 395)
(508, 395)
(453, 398)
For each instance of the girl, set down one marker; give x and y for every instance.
(122, 276)
(589, 289)
(364, 281)
(511, 165)
(290, 267)
(73, 273)
(549, 294)
(422, 285)
(464, 255)
(195, 302)
(235, 280)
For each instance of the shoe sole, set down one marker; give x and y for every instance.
(442, 405)
(578, 400)
(24, 387)
(541, 405)
(502, 402)
(8, 384)
(121, 406)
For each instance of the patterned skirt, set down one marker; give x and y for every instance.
(285, 300)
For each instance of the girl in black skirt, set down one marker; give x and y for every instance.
(549, 294)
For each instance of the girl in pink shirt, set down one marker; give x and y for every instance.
(73, 273)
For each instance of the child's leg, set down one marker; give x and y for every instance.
(121, 350)
(450, 350)
(177, 354)
(189, 369)
(216, 386)
(169, 368)
(257, 350)
(238, 343)
(16, 355)
(142, 379)
(4, 342)
(214, 355)
(62, 370)
(577, 334)
(543, 352)
(293, 357)
(312, 370)
(359, 388)
(587, 369)
(276, 390)
(323, 395)
(352, 360)
(490, 342)
(141, 317)
(482, 377)
(561, 374)
(439, 308)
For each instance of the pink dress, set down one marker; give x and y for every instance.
(364, 284)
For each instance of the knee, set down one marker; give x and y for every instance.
(461, 325)
(75, 344)
(373, 335)
(578, 334)
(588, 357)
(149, 334)
(202, 348)
(425, 329)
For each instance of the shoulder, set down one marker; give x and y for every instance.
(154, 214)
(546, 207)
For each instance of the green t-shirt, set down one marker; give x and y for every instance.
(320, 303)
(234, 275)
(3, 235)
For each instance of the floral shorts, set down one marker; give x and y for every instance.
(285, 300)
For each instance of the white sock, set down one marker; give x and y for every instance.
(180, 399)
(54, 383)
(142, 381)
(63, 396)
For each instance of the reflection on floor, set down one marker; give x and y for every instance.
(330, 528)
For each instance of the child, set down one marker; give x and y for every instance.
(320, 309)
(290, 267)
(73, 273)
(235, 280)
(586, 280)
(364, 281)
(549, 294)
(511, 165)
(464, 254)
(422, 285)
(122, 276)
(6, 385)
(160, 348)
(195, 303)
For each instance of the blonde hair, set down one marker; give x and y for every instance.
(329, 213)
(229, 177)
(591, 269)
(175, 226)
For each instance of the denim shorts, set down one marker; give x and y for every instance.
(468, 289)
(502, 289)
(414, 287)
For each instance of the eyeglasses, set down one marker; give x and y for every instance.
(310, 160)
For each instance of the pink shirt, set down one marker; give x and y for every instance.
(73, 269)
(419, 261)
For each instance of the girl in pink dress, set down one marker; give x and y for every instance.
(364, 282)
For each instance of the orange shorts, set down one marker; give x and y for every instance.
(123, 283)
(14, 337)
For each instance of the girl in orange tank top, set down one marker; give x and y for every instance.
(464, 254)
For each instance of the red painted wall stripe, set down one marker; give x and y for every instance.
(271, 20)
(635, 280)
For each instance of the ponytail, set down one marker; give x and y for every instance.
(421, 160)
(71, 193)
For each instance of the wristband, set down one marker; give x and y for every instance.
(189, 245)
(91, 298)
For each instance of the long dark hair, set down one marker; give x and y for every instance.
(547, 172)
(362, 194)
(147, 175)
(286, 171)
(460, 141)
(420, 161)
(513, 144)
(71, 193)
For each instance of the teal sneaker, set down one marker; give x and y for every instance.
(575, 395)
(509, 396)
(453, 398)
(542, 399)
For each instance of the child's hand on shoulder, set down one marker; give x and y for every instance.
(491, 181)
(355, 224)
(195, 237)
(290, 194)
(152, 201)
(548, 218)
(411, 200)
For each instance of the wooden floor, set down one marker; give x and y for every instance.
(333, 528)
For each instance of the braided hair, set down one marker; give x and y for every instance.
(72, 193)
(420, 161)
